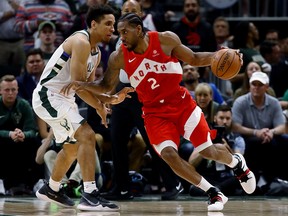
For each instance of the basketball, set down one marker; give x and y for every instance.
(226, 64)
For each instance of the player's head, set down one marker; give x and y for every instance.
(97, 13)
(100, 21)
(130, 28)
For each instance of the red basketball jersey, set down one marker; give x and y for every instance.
(155, 76)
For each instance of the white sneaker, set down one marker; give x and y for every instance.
(217, 200)
(244, 175)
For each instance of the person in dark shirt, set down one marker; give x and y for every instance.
(17, 138)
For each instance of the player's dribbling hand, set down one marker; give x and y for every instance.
(237, 51)
(121, 95)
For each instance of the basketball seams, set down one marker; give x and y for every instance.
(231, 62)
(224, 62)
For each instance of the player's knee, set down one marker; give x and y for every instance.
(169, 155)
(209, 153)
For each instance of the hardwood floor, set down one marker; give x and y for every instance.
(152, 206)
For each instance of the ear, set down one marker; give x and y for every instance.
(139, 31)
(215, 119)
(93, 24)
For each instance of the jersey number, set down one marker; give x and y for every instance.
(154, 83)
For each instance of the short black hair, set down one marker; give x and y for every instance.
(97, 13)
(34, 51)
(223, 108)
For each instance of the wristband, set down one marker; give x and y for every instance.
(254, 132)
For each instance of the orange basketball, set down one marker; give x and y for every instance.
(226, 64)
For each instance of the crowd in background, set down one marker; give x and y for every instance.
(249, 111)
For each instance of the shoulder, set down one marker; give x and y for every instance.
(78, 41)
(242, 100)
(168, 37)
(23, 103)
(272, 99)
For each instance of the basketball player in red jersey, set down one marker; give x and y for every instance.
(151, 63)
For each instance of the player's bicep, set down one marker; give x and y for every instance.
(78, 65)
(174, 46)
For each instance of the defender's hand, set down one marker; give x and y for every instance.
(73, 85)
(121, 95)
(102, 112)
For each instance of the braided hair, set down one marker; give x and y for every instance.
(133, 20)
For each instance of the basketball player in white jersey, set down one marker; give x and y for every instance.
(76, 60)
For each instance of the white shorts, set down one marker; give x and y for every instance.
(60, 112)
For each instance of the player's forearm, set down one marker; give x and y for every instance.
(90, 99)
(202, 59)
(95, 88)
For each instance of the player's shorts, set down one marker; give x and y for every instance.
(59, 112)
(188, 122)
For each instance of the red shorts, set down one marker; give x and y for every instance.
(187, 121)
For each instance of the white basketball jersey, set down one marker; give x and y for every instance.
(57, 73)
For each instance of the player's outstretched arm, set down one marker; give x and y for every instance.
(111, 78)
(170, 42)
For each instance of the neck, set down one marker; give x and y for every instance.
(9, 105)
(191, 86)
(220, 40)
(258, 101)
(142, 45)
(50, 48)
(250, 44)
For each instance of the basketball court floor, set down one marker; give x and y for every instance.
(152, 206)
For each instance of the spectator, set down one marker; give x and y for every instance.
(12, 55)
(245, 88)
(195, 32)
(28, 80)
(215, 172)
(47, 37)
(17, 136)
(221, 30)
(153, 15)
(32, 13)
(271, 52)
(191, 79)
(272, 35)
(258, 117)
(204, 99)
(246, 38)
